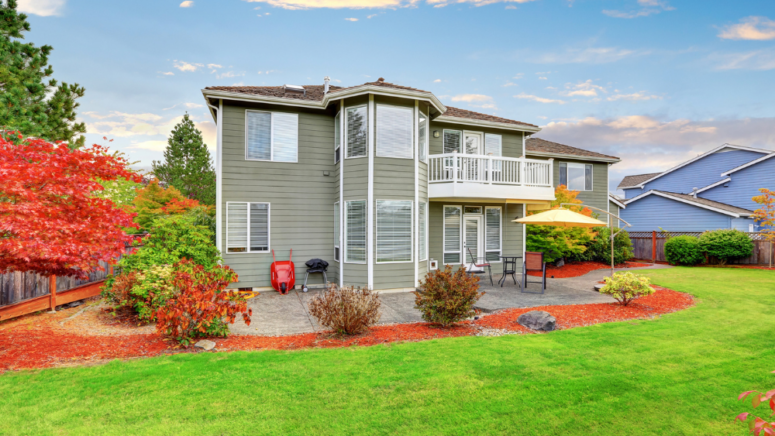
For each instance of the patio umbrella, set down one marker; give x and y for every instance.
(561, 218)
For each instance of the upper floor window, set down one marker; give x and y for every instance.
(422, 132)
(576, 176)
(452, 141)
(271, 136)
(395, 132)
(357, 131)
(338, 137)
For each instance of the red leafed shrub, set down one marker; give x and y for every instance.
(447, 297)
(346, 310)
(120, 291)
(758, 425)
(201, 303)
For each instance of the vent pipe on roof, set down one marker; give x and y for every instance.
(694, 192)
(326, 81)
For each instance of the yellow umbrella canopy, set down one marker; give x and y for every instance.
(562, 218)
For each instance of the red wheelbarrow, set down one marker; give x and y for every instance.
(283, 274)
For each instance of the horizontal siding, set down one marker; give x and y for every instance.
(598, 196)
(745, 184)
(511, 145)
(652, 212)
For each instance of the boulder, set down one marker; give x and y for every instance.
(538, 320)
(205, 345)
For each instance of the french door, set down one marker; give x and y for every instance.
(473, 240)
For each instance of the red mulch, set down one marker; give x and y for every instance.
(40, 341)
(577, 269)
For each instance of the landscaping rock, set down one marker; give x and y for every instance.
(599, 286)
(205, 345)
(538, 320)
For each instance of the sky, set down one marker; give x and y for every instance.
(654, 82)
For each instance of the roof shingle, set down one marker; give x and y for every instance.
(471, 115)
(629, 181)
(542, 145)
(710, 203)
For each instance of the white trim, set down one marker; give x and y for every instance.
(572, 156)
(681, 200)
(482, 123)
(607, 189)
(370, 247)
(411, 232)
(616, 202)
(219, 179)
(268, 227)
(340, 147)
(416, 217)
(444, 235)
(427, 207)
(524, 232)
(271, 136)
(368, 131)
(707, 153)
(481, 142)
(341, 194)
(346, 227)
(751, 163)
(338, 242)
(500, 237)
(524, 145)
(713, 185)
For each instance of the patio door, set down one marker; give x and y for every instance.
(473, 240)
(472, 148)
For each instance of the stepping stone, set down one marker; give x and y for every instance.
(205, 345)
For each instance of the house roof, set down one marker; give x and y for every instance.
(542, 146)
(704, 203)
(633, 181)
(618, 200)
(471, 115)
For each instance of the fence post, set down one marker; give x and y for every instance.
(52, 289)
(653, 246)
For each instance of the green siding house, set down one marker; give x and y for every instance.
(382, 181)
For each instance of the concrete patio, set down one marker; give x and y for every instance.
(277, 315)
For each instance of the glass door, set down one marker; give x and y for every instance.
(472, 164)
(473, 242)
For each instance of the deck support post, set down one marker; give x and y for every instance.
(653, 246)
(52, 289)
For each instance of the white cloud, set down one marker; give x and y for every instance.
(147, 130)
(519, 76)
(476, 100)
(44, 8)
(636, 96)
(166, 73)
(507, 84)
(437, 81)
(185, 105)
(149, 145)
(214, 66)
(649, 7)
(373, 4)
(751, 28)
(542, 78)
(187, 4)
(761, 60)
(229, 75)
(583, 89)
(371, 16)
(186, 66)
(538, 99)
(590, 55)
(351, 19)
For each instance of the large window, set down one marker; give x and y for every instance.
(492, 239)
(576, 176)
(338, 137)
(355, 232)
(422, 131)
(394, 231)
(452, 141)
(422, 229)
(271, 136)
(395, 132)
(452, 241)
(247, 227)
(336, 231)
(357, 131)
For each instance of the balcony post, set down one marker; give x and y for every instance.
(490, 167)
(522, 171)
(551, 172)
(454, 166)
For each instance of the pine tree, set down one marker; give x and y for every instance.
(187, 163)
(30, 101)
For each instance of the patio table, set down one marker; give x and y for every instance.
(508, 260)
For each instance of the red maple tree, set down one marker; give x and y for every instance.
(50, 221)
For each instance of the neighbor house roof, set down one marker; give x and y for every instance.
(619, 201)
(633, 181)
(716, 206)
(538, 146)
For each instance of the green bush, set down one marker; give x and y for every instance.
(683, 250)
(558, 242)
(448, 297)
(726, 244)
(625, 287)
(599, 248)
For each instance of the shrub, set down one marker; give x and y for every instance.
(725, 245)
(142, 291)
(683, 250)
(625, 287)
(599, 249)
(117, 290)
(346, 310)
(559, 242)
(200, 302)
(154, 201)
(758, 426)
(447, 297)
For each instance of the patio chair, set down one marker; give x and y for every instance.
(479, 262)
(534, 261)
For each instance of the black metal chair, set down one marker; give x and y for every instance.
(479, 262)
(534, 261)
(315, 266)
(509, 269)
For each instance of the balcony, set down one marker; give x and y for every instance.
(476, 177)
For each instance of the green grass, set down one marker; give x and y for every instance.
(679, 374)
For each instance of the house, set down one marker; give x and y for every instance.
(382, 181)
(710, 191)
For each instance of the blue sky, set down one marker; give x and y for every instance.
(652, 81)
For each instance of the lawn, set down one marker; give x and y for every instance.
(679, 374)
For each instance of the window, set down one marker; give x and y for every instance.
(576, 176)
(452, 241)
(395, 132)
(422, 131)
(336, 231)
(422, 233)
(271, 136)
(493, 146)
(452, 140)
(247, 227)
(394, 231)
(472, 209)
(338, 137)
(492, 239)
(355, 232)
(357, 131)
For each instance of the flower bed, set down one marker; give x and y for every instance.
(48, 340)
(577, 269)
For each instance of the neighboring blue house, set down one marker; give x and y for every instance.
(711, 191)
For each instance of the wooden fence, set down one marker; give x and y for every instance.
(651, 246)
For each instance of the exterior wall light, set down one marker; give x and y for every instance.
(436, 134)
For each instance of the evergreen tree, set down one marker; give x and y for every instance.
(187, 163)
(30, 101)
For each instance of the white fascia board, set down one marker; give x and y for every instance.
(751, 163)
(681, 200)
(482, 123)
(572, 156)
(237, 96)
(713, 185)
(616, 202)
(388, 92)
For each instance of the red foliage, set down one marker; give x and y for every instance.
(176, 206)
(577, 269)
(200, 303)
(50, 222)
(759, 425)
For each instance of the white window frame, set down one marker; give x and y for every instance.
(271, 137)
(500, 236)
(584, 166)
(444, 235)
(411, 232)
(337, 229)
(347, 227)
(268, 228)
(424, 148)
(426, 207)
(411, 126)
(346, 131)
(337, 138)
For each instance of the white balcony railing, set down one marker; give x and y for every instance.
(471, 168)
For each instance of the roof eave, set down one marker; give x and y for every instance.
(691, 203)
(238, 96)
(483, 123)
(382, 90)
(573, 156)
